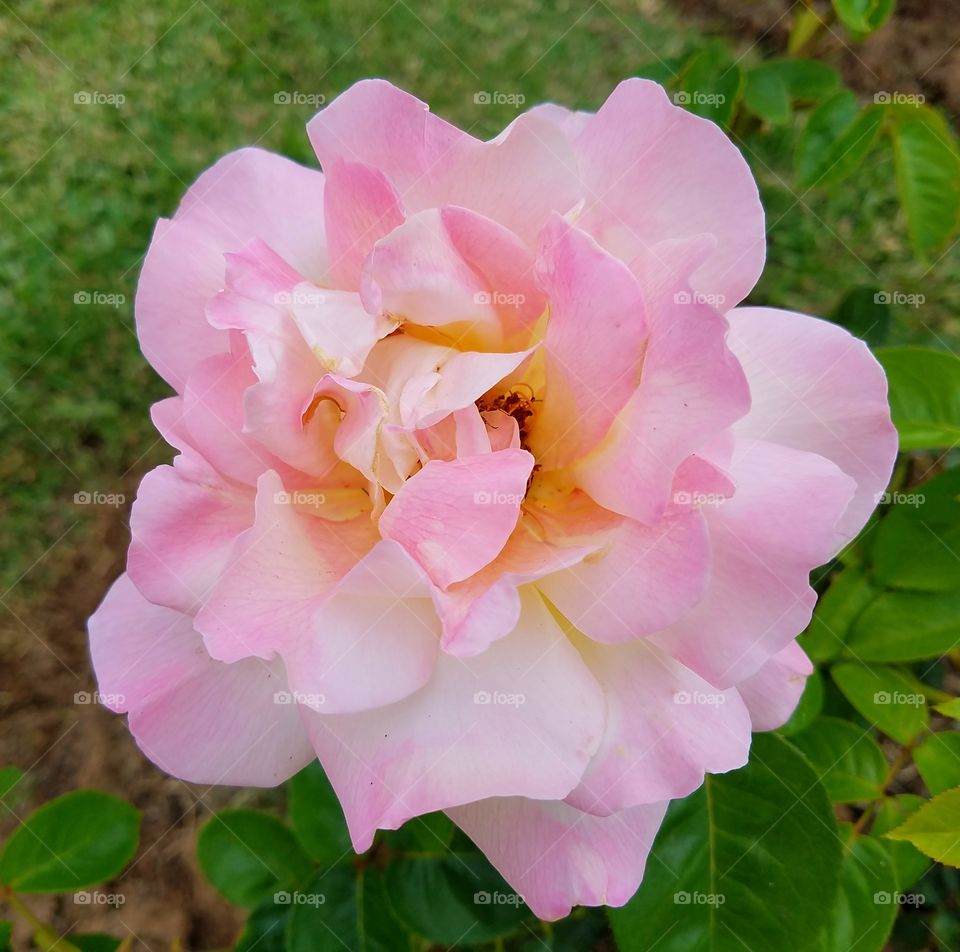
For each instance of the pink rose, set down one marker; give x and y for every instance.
(488, 495)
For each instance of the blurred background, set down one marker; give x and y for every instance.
(111, 109)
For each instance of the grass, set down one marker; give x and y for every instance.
(81, 186)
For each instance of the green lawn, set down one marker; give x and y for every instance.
(81, 185)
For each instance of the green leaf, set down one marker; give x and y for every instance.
(863, 16)
(662, 71)
(924, 396)
(77, 840)
(808, 708)
(864, 312)
(727, 856)
(807, 79)
(343, 909)
(938, 760)
(431, 832)
(886, 698)
(925, 523)
(317, 817)
(265, 928)
(906, 626)
(766, 95)
(927, 163)
(935, 828)
(95, 942)
(950, 708)
(848, 760)
(6, 932)
(863, 914)
(248, 855)
(835, 140)
(844, 601)
(9, 778)
(711, 85)
(909, 863)
(445, 898)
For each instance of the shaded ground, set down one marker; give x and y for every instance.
(916, 51)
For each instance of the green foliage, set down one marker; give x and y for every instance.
(889, 700)
(849, 762)
(728, 856)
(77, 840)
(249, 855)
(924, 396)
(927, 161)
(316, 816)
(836, 138)
(934, 828)
(938, 760)
(863, 16)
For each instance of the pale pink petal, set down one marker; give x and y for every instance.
(416, 274)
(454, 517)
(361, 207)
(642, 579)
(196, 718)
(773, 692)
(779, 525)
(817, 388)
(523, 718)
(373, 641)
(654, 172)
(375, 124)
(557, 857)
(182, 527)
(517, 179)
(692, 389)
(247, 194)
(279, 572)
(594, 344)
(666, 728)
(486, 606)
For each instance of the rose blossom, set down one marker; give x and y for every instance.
(483, 469)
